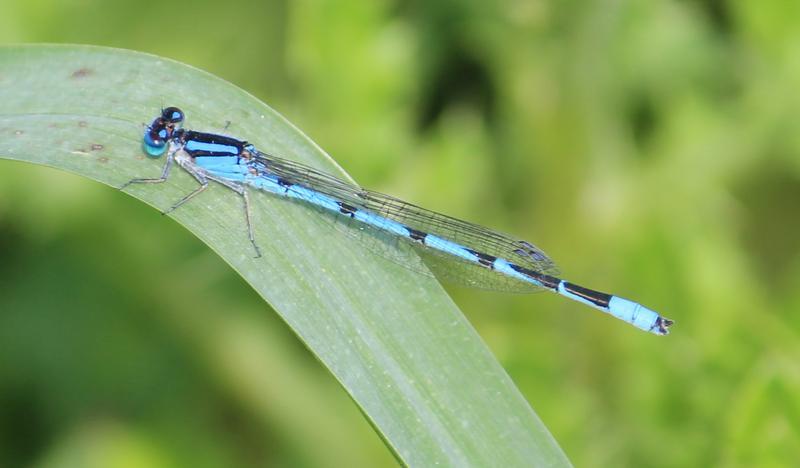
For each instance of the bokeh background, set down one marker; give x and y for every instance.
(652, 148)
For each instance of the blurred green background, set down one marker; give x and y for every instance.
(651, 148)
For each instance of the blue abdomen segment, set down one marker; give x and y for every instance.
(636, 314)
(273, 184)
(632, 312)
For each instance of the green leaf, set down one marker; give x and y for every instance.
(392, 338)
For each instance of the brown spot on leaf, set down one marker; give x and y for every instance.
(97, 147)
(83, 124)
(102, 159)
(81, 73)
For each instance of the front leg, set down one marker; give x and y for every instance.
(158, 180)
(199, 176)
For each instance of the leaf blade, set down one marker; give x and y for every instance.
(393, 339)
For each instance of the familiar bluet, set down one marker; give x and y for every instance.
(479, 256)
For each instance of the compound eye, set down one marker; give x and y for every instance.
(172, 115)
(155, 142)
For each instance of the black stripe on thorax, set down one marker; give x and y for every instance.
(232, 146)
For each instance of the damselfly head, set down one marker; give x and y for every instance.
(158, 134)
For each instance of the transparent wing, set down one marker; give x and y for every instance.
(445, 266)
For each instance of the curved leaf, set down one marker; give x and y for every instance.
(393, 339)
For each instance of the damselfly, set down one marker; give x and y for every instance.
(476, 255)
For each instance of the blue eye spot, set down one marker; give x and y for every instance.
(172, 115)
